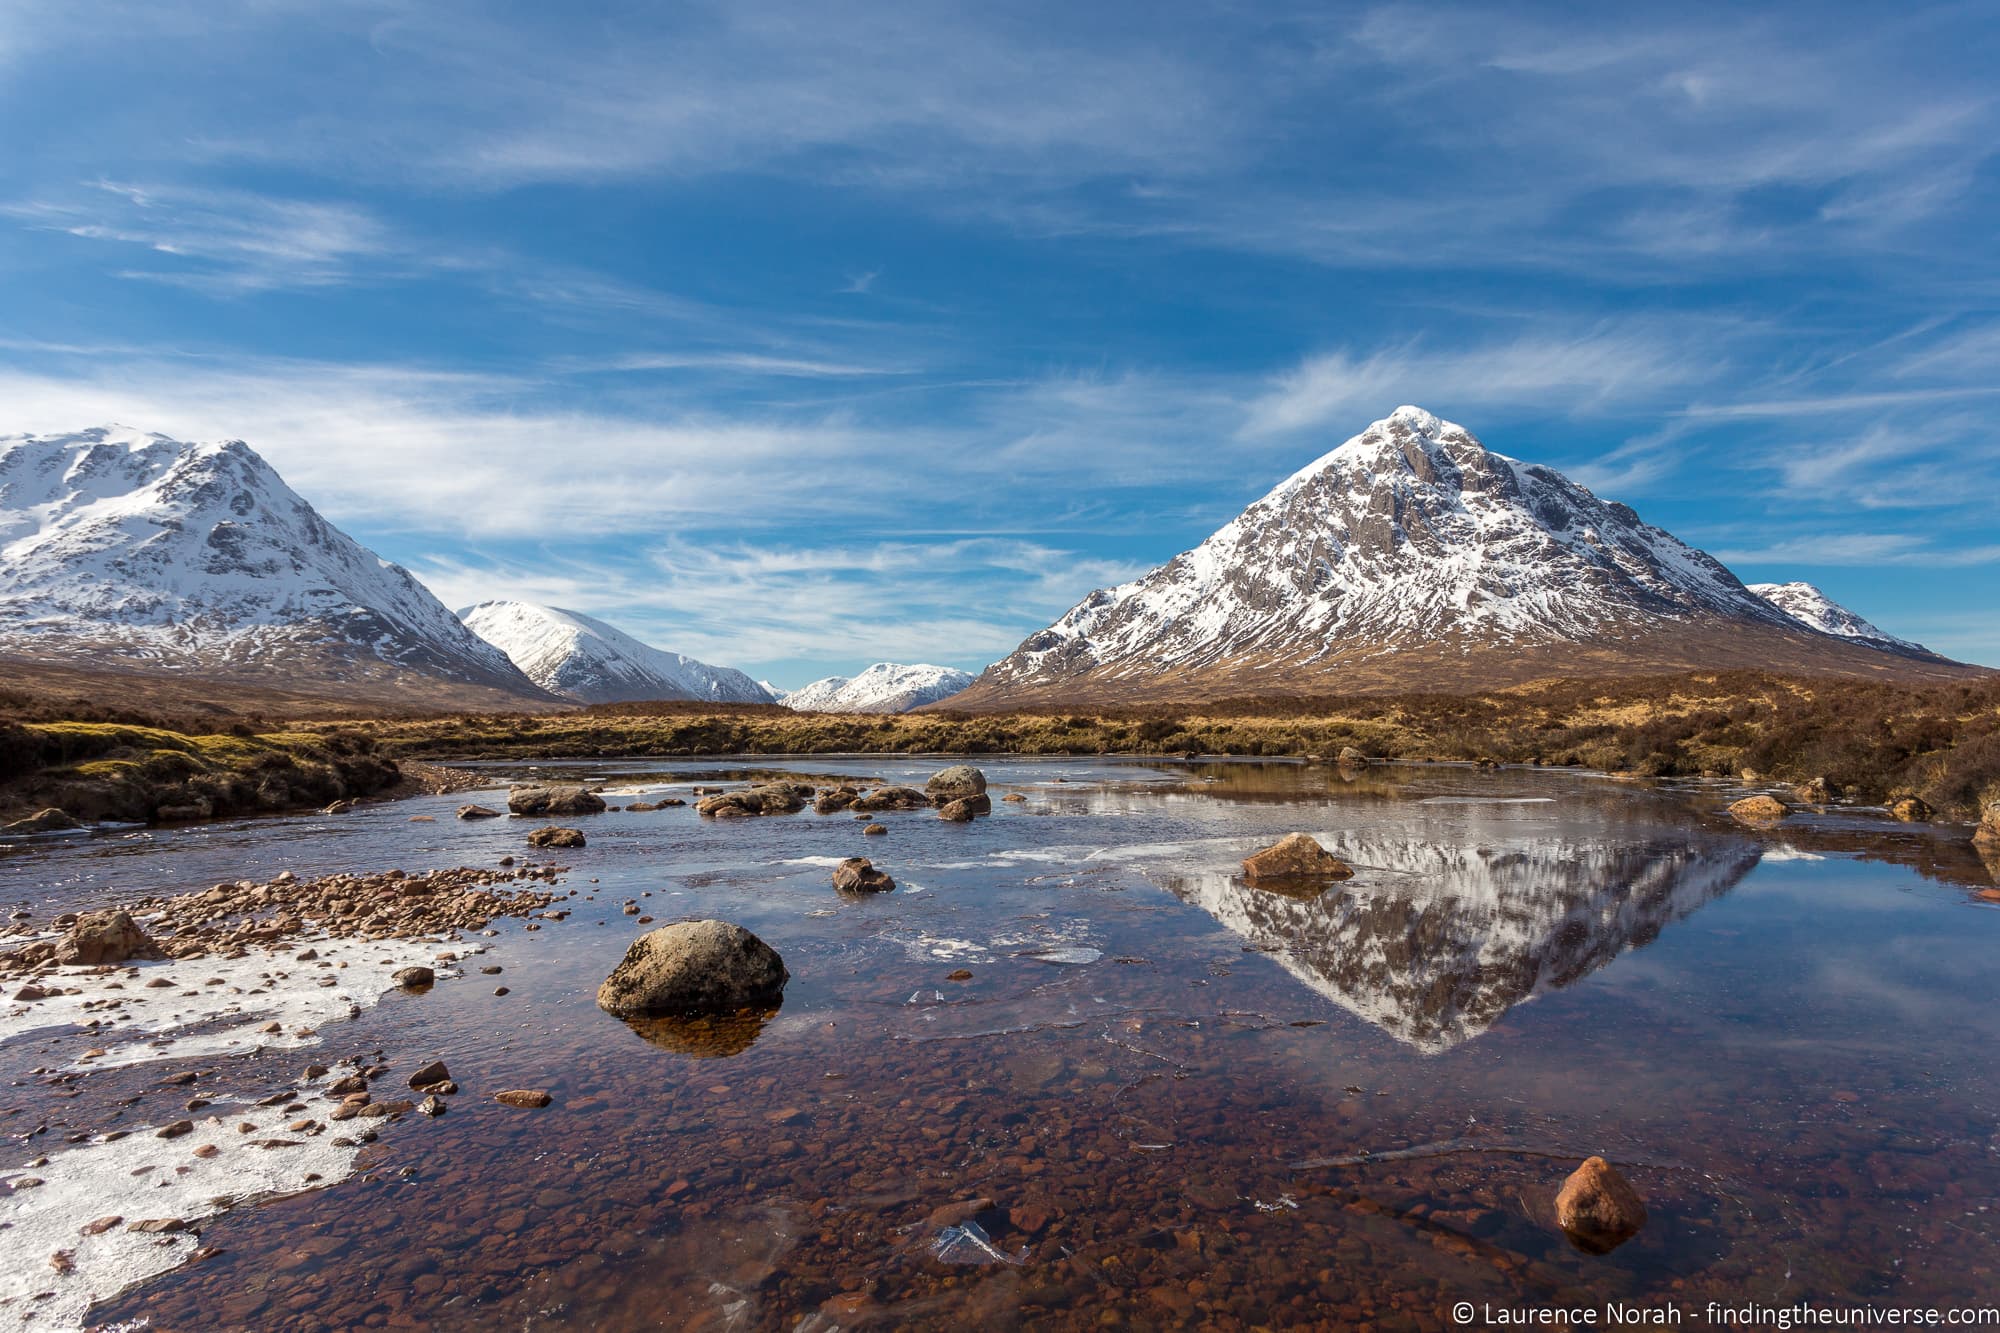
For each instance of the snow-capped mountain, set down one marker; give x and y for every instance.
(1411, 556)
(886, 687)
(582, 658)
(1815, 610)
(1437, 938)
(120, 548)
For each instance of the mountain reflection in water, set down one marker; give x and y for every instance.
(1434, 941)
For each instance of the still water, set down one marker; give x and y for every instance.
(1162, 1099)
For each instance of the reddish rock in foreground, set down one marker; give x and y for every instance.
(1598, 1209)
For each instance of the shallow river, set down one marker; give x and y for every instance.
(1163, 1099)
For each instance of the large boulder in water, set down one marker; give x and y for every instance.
(1296, 857)
(568, 800)
(1759, 810)
(857, 874)
(770, 798)
(553, 836)
(1598, 1209)
(694, 967)
(957, 783)
(98, 938)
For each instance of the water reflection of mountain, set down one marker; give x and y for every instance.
(1433, 942)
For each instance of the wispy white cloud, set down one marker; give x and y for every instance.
(1860, 548)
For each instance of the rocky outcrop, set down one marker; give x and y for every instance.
(553, 836)
(956, 783)
(1759, 809)
(694, 967)
(477, 812)
(892, 798)
(857, 874)
(771, 798)
(50, 820)
(564, 800)
(1598, 1209)
(1295, 857)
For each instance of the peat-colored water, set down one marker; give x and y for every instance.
(1163, 1099)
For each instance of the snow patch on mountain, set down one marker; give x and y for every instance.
(886, 687)
(583, 658)
(116, 543)
(1815, 610)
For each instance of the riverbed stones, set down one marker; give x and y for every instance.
(530, 1099)
(1759, 809)
(1815, 791)
(1911, 810)
(554, 836)
(961, 811)
(477, 812)
(874, 831)
(957, 783)
(770, 798)
(414, 978)
(1295, 857)
(554, 800)
(1598, 1209)
(694, 967)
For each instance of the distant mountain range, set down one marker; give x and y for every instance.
(578, 657)
(1409, 557)
(886, 687)
(1412, 557)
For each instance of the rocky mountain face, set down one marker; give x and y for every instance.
(581, 658)
(1816, 611)
(120, 549)
(886, 687)
(1412, 557)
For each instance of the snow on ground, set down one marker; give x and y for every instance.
(138, 1178)
(228, 1001)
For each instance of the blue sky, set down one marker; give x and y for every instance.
(798, 336)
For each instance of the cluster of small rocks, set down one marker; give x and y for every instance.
(243, 915)
(957, 793)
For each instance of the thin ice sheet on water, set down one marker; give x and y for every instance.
(968, 1243)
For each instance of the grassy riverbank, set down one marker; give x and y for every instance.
(1877, 741)
(122, 771)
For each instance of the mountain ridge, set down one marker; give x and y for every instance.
(122, 548)
(1412, 557)
(580, 657)
(885, 687)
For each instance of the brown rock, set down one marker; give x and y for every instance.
(100, 1226)
(560, 800)
(1297, 856)
(532, 1099)
(175, 1130)
(1911, 810)
(1597, 1209)
(159, 1224)
(771, 798)
(1759, 809)
(858, 875)
(892, 798)
(694, 967)
(434, 1072)
(477, 812)
(556, 837)
(411, 978)
(99, 938)
(1349, 757)
(50, 820)
(957, 783)
(962, 810)
(1015, 798)
(874, 831)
